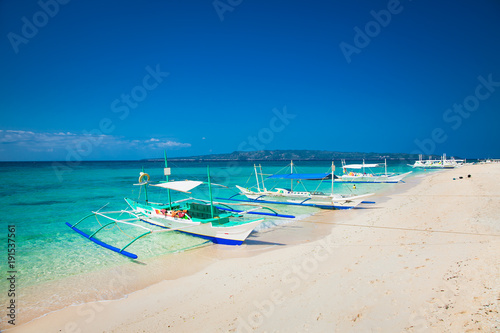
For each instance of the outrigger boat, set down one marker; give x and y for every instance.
(442, 163)
(283, 196)
(363, 177)
(261, 189)
(214, 221)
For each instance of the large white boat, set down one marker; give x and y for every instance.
(195, 217)
(442, 163)
(370, 177)
(291, 196)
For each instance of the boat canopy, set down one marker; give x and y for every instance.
(304, 176)
(181, 186)
(360, 166)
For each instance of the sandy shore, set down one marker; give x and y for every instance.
(424, 258)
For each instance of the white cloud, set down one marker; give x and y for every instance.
(48, 142)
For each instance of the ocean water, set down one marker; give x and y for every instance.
(38, 203)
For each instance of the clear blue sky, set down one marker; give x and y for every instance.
(127, 79)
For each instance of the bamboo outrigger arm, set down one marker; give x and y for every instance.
(93, 238)
(101, 243)
(124, 221)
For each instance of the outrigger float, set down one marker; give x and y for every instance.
(283, 196)
(214, 221)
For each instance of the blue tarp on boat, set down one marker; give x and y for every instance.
(304, 176)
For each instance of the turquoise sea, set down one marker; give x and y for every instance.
(38, 202)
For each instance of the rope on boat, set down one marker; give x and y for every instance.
(348, 186)
(316, 190)
(400, 228)
(282, 169)
(114, 225)
(101, 224)
(103, 207)
(276, 183)
(123, 231)
(299, 181)
(249, 179)
(140, 190)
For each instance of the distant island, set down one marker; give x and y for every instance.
(296, 155)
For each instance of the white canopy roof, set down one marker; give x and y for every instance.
(181, 186)
(360, 166)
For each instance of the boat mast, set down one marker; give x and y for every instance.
(333, 169)
(256, 177)
(166, 171)
(210, 192)
(385, 162)
(262, 178)
(145, 187)
(291, 172)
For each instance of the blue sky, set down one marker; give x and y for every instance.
(85, 80)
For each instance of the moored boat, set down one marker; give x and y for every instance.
(284, 196)
(442, 163)
(196, 217)
(370, 177)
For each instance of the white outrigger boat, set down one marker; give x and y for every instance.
(442, 163)
(214, 221)
(363, 177)
(283, 196)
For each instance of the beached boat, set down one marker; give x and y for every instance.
(214, 221)
(442, 163)
(370, 177)
(260, 189)
(284, 196)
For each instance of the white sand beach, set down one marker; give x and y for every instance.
(424, 258)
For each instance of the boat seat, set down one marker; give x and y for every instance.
(201, 211)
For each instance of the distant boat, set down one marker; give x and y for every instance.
(363, 177)
(442, 163)
(289, 196)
